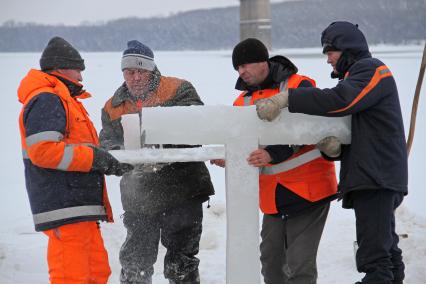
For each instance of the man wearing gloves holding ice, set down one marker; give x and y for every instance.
(296, 184)
(161, 202)
(373, 175)
(64, 166)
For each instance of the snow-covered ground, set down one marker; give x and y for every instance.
(23, 251)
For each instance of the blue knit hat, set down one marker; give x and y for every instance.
(138, 56)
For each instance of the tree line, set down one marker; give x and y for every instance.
(294, 24)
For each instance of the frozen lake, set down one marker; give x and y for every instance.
(22, 251)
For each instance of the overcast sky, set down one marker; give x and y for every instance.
(74, 12)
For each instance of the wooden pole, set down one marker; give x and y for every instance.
(416, 102)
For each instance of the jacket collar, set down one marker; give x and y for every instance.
(36, 79)
(74, 87)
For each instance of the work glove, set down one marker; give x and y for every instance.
(330, 146)
(271, 107)
(105, 163)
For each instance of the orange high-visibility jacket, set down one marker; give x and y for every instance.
(61, 186)
(306, 173)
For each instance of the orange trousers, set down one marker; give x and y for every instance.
(76, 254)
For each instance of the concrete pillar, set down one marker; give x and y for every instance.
(255, 20)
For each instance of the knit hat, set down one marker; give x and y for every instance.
(137, 55)
(60, 54)
(250, 50)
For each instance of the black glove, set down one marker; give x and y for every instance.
(105, 163)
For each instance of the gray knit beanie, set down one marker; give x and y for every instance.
(60, 54)
(138, 56)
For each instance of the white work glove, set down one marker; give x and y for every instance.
(331, 146)
(271, 107)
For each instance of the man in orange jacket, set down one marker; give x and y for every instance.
(64, 166)
(296, 183)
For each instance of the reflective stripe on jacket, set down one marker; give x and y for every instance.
(305, 173)
(55, 133)
(377, 155)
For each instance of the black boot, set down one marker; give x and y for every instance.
(191, 278)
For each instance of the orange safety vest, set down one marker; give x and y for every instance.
(69, 153)
(306, 173)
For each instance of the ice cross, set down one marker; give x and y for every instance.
(239, 129)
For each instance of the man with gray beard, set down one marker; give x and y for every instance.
(161, 201)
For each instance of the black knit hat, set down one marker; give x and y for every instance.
(250, 50)
(60, 54)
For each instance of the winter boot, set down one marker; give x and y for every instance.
(191, 278)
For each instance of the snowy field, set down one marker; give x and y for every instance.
(23, 251)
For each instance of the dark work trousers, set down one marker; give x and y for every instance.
(378, 254)
(179, 230)
(294, 262)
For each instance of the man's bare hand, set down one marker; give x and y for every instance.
(259, 158)
(218, 162)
